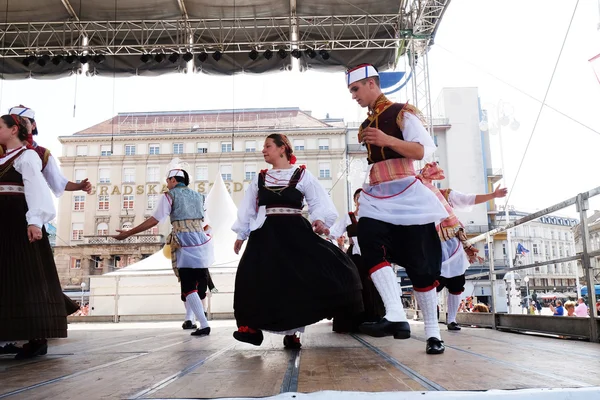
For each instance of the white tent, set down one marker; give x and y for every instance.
(149, 287)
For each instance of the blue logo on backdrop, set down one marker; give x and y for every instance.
(393, 81)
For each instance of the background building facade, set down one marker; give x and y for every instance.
(126, 160)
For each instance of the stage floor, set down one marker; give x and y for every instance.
(160, 360)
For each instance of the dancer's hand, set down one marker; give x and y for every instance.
(34, 233)
(122, 235)
(500, 192)
(86, 186)
(376, 137)
(237, 246)
(320, 228)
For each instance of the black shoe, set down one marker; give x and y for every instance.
(188, 325)
(10, 348)
(434, 346)
(32, 349)
(291, 342)
(453, 326)
(201, 332)
(400, 330)
(244, 335)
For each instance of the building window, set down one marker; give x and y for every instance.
(128, 202)
(82, 150)
(226, 147)
(226, 172)
(250, 171)
(103, 202)
(126, 226)
(202, 147)
(153, 174)
(129, 175)
(323, 144)
(201, 173)
(503, 249)
(78, 203)
(77, 231)
(75, 263)
(535, 249)
(97, 262)
(105, 150)
(154, 149)
(324, 171)
(298, 144)
(250, 146)
(130, 150)
(177, 148)
(79, 175)
(102, 229)
(152, 200)
(153, 230)
(104, 175)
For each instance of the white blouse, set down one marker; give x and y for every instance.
(339, 230)
(250, 217)
(39, 201)
(56, 180)
(461, 201)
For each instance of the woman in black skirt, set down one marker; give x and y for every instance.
(31, 300)
(288, 276)
(374, 309)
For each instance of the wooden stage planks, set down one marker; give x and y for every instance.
(160, 360)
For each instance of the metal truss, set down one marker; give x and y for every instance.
(415, 24)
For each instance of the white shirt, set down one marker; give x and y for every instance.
(320, 206)
(339, 229)
(461, 201)
(163, 208)
(56, 180)
(414, 131)
(39, 201)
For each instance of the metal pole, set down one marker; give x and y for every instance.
(509, 252)
(490, 243)
(586, 263)
(116, 315)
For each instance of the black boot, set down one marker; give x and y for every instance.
(247, 335)
(291, 342)
(400, 330)
(201, 332)
(188, 325)
(33, 349)
(434, 346)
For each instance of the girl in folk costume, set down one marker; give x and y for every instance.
(374, 309)
(457, 252)
(31, 299)
(191, 248)
(288, 276)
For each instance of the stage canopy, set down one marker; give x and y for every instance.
(53, 38)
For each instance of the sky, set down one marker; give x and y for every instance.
(508, 49)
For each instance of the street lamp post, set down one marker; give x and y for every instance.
(503, 118)
(526, 279)
(82, 289)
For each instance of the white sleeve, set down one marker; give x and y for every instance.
(56, 180)
(461, 201)
(414, 131)
(320, 206)
(39, 200)
(163, 208)
(247, 211)
(339, 228)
